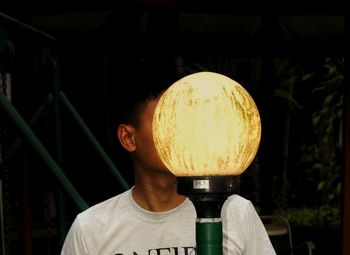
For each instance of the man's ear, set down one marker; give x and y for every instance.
(126, 137)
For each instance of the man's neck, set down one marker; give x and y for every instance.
(156, 193)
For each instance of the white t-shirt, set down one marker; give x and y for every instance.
(118, 226)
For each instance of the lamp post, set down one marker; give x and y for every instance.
(207, 130)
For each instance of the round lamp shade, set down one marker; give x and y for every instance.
(206, 124)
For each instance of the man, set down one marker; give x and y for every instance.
(151, 218)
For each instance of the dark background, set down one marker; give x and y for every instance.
(93, 42)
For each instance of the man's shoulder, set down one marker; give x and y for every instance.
(238, 200)
(237, 204)
(106, 207)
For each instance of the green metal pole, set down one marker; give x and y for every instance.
(209, 236)
(27, 27)
(43, 153)
(58, 140)
(37, 115)
(94, 142)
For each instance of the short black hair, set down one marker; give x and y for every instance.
(131, 82)
(136, 81)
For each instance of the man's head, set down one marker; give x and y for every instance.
(138, 81)
(138, 139)
(136, 96)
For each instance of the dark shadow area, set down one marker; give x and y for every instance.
(291, 63)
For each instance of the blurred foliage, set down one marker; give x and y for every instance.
(325, 216)
(323, 155)
(321, 150)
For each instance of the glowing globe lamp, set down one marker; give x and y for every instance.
(207, 130)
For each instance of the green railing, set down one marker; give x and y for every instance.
(41, 150)
(99, 149)
(57, 99)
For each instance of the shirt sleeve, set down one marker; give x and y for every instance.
(75, 243)
(256, 238)
(243, 230)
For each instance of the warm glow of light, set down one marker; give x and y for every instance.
(206, 124)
